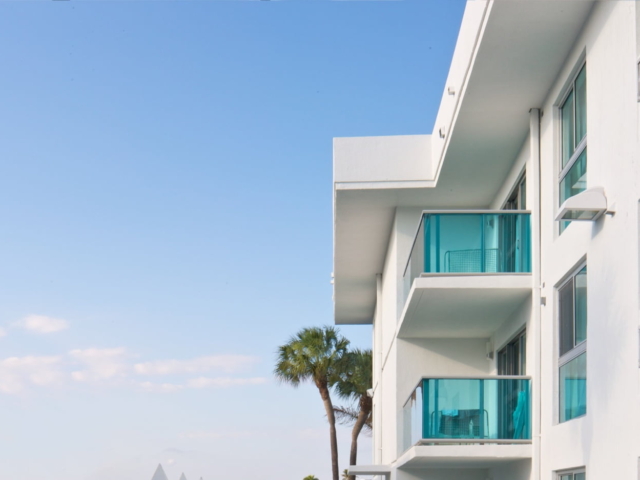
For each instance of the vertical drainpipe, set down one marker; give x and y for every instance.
(536, 310)
(377, 454)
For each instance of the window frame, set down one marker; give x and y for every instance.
(579, 348)
(571, 471)
(563, 171)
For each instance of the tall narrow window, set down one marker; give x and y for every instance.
(572, 310)
(573, 171)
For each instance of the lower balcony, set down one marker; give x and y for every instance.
(470, 422)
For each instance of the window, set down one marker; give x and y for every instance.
(512, 358)
(573, 111)
(572, 311)
(575, 475)
(518, 198)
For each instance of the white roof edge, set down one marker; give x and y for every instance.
(397, 159)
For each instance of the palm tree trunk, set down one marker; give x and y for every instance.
(363, 414)
(328, 406)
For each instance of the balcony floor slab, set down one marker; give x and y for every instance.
(462, 305)
(463, 456)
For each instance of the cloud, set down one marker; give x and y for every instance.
(215, 435)
(204, 382)
(3, 332)
(226, 363)
(112, 367)
(100, 364)
(160, 387)
(42, 324)
(16, 373)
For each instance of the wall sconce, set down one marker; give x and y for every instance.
(586, 206)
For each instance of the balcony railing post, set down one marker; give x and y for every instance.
(425, 409)
(437, 222)
(436, 407)
(427, 238)
(482, 252)
(481, 405)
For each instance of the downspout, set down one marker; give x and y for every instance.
(536, 236)
(377, 454)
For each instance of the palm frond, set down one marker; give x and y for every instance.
(347, 417)
(313, 354)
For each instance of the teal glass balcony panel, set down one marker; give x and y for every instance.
(443, 410)
(487, 242)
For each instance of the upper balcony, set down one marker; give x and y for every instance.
(467, 272)
(487, 419)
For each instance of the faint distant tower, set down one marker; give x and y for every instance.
(182, 477)
(159, 475)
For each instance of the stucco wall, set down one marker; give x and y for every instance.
(606, 440)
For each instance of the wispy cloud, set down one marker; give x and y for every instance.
(17, 373)
(42, 324)
(215, 435)
(100, 364)
(221, 382)
(201, 382)
(113, 367)
(225, 363)
(161, 387)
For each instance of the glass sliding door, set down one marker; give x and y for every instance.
(511, 361)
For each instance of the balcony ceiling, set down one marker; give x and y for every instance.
(520, 54)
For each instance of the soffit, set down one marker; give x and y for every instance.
(522, 49)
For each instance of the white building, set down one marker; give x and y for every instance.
(481, 301)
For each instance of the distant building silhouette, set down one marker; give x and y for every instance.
(159, 475)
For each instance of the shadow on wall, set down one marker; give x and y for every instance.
(448, 356)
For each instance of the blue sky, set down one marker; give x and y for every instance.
(165, 196)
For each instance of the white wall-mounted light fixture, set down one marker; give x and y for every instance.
(586, 206)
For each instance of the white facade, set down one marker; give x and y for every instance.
(500, 122)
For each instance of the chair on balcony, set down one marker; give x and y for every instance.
(460, 424)
(472, 261)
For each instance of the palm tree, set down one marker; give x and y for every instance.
(355, 379)
(315, 354)
(345, 474)
(310, 477)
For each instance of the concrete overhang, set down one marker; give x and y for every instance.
(509, 54)
(462, 305)
(462, 456)
(370, 470)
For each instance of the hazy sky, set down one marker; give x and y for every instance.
(165, 201)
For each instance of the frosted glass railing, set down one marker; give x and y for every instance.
(471, 242)
(468, 410)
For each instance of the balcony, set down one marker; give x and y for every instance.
(467, 272)
(467, 420)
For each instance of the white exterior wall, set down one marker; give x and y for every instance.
(606, 440)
